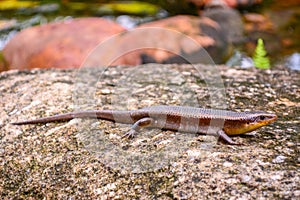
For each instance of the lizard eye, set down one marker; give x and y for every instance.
(262, 117)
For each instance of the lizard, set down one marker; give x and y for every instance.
(219, 123)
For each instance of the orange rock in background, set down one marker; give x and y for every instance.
(58, 45)
(74, 43)
(257, 22)
(238, 3)
(178, 39)
(171, 37)
(170, 40)
(230, 3)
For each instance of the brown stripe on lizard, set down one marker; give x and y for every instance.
(220, 123)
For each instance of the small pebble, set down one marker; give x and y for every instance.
(279, 159)
(290, 144)
(227, 164)
(245, 179)
(276, 177)
(105, 91)
(186, 73)
(111, 186)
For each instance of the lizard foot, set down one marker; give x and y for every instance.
(224, 138)
(231, 142)
(130, 134)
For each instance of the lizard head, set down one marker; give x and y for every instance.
(253, 121)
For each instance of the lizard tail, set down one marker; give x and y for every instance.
(67, 117)
(43, 120)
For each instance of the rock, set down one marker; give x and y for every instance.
(230, 23)
(203, 31)
(96, 42)
(231, 3)
(245, 178)
(59, 44)
(227, 164)
(279, 159)
(240, 59)
(293, 61)
(73, 158)
(6, 24)
(179, 39)
(257, 22)
(177, 34)
(237, 3)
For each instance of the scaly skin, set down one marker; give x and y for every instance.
(219, 123)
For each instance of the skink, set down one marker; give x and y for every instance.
(220, 123)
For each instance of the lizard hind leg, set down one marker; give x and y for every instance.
(136, 127)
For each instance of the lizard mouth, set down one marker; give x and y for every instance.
(269, 119)
(242, 127)
(262, 121)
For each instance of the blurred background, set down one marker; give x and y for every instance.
(276, 22)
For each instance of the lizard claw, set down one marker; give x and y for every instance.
(230, 142)
(130, 134)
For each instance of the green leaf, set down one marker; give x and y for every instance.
(130, 7)
(15, 4)
(260, 58)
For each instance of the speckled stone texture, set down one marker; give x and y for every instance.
(87, 159)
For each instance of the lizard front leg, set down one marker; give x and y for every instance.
(223, 136)
(136, 127)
